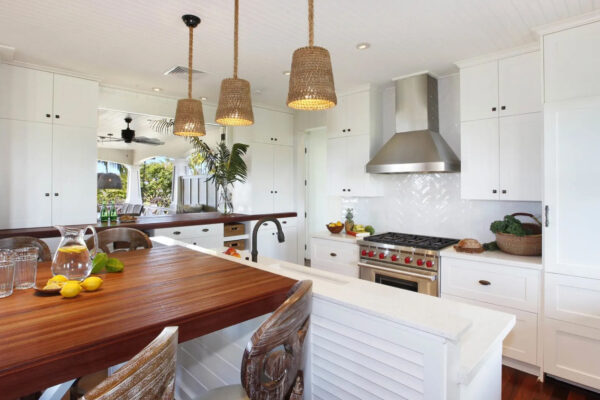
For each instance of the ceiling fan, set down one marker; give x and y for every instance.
(128, 136)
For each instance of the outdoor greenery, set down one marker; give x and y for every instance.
(156, 177)
(196, 164)
(117, 195)
(224, 166)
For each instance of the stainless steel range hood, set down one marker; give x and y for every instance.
(417, 146)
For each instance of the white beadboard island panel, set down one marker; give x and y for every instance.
(435, 348)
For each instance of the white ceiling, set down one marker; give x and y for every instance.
(131, 43)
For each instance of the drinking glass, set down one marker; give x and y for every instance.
(7, 272)
(25, 267)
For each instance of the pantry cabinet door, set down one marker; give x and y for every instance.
(479, 91)
(520, 80)
(337, 119)
(479, 163)
(74, 175)
(357, 156)
(358, 113)
(75, 101)
(25, 94)
(261, 177)
(336, 164)
(283, 178)
(521, 157)
(26, 174)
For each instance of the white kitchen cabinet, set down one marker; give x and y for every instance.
(346, 160)
(573, 299)
(26, 174)
(73, 175)
(208, 242)
(334, 256)
(269, 246)
(271, 127)
(479, 147)
(479, 91)
(271, 176)
(26, 94)
(351, 116)
(520, 84)
(207, 236)
(75, 101)
(572, 62)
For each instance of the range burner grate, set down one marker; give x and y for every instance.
(408, 240)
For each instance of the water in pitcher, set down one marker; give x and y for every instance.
(73, 259)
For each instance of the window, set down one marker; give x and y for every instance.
(109, 195)
(156, 176)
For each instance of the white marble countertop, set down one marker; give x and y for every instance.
(496, 257)
(340, 237)
(475, 330)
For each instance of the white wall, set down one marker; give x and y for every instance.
(116, 155)
(428, 204)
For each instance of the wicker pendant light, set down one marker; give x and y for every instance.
(311, 77)
(189, 117)
(235, 103)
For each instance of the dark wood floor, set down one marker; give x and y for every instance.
(517, 385)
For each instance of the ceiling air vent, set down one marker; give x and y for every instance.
(182, 72)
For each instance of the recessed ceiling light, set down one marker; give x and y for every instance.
(363, 46)
(287, 73)
(156, 89)
(203, 98)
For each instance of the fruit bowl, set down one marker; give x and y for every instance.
(335, 229)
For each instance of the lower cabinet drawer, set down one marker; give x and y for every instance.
(572, 352)
(493, 283)
(333, 251)
(521, 343)
(192, 231)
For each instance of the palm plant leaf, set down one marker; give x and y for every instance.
(225, 166)
(163, 125)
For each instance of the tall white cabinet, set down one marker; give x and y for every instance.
(501, 128)
(572, 202)
(47, 122)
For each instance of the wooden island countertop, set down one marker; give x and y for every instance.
(148, 222)
(46, 340)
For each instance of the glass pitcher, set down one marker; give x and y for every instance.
(72, 258)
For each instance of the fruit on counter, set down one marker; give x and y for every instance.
(349, 223)
(232, 252)
(92, 283)
(51, 285)
(370, 229)
(99, 263)
(335, 224)
(58, 279)
(70, 289)
(114, 265)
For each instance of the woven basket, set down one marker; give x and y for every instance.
(530, 245)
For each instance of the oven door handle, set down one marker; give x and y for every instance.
(400, 272)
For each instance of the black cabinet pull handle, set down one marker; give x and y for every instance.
(47, 194)
(205, 230)
(55, 194)
(276, 191)
(343, 190)
(493, 108)
(494, 191)
(57, 116)
(176, 233)
(333, 254)
(484, 282)
(271, 191)
(273, 233)
(343, 130)
(503, 108)
(194, 243)
(48, 115)
(348, 189)
(275, 139)
(284, 222)
(503, 191)
(265, 223)
(349, 129)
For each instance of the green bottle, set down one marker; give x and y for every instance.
(113, 212)
(104, 213)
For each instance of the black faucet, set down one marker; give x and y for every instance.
(280, 235)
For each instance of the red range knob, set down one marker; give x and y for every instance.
(429, 263)
(407, 260)
(394, 257)
(364, 253)
(420, 262)
(371, 253)
(381, 256)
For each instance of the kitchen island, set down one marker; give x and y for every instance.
(150, 222)
(368, 341)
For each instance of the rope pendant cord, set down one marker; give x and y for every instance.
(190, 53)
(235, 39)
(311, 17)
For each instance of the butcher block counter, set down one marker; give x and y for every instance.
(145, 223)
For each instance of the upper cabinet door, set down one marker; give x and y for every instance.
(521, 157)
(358, 113)
(520, 80)
(479, 164)
(479, 91)
(357, 156)
(261, 177)
(270, 127)
(337, 119)
(25, 94)
(75, 101)
(572, 63)
(336, 166)
(26, 174)
(73, 175)
(283, 126)
(283, 178)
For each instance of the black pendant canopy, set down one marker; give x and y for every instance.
(108, 180)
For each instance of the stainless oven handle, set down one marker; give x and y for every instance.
(431, 278)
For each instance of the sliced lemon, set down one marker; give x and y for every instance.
(73, 249)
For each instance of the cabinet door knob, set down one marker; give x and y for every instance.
(348, 189)
(503, 108)
(343, 190)
(47, 194)
(57, 116)
(333, 254)
(205, 230)
(349, 129)
(276, 191)
(55, 194)
(176, 233)
(503, 191)
(484, 282)
(275, 139)
(493, 108)
(284, 222)
(271, 191)
(343, 130)
(494, 191)
(48, 115)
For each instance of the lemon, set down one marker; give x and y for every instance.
(70, 289)
(51, 286)
(58, 279)
(73, 249)
(92, 283)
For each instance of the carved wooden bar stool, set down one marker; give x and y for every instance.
(123, 239)
(18, 242)
(273, 360)
(150, 375)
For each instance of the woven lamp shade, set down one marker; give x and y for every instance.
(235, 103)
(189, 118)
(311, 80)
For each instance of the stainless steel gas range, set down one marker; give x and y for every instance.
(405, 261)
